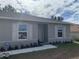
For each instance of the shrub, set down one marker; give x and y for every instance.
(22, 46)
(16, 47)
(71, 41)
(2, 49)
(10, 48)
(40, 44)
(50, 43)
(31, 45)
(34, 45)
(54, 43)
(27, 46)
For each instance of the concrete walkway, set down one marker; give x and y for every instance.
(76, 42)
(27, 50)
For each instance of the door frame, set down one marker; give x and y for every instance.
(43, 30)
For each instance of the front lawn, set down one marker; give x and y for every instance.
(64, 51)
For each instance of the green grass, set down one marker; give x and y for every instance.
(64, 51)
(69, 45)
(76, 39)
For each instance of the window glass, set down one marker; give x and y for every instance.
(60, 33)
(22, 33)
(22, 27)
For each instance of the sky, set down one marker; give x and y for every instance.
(68, 9)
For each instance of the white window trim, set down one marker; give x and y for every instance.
(15, 31)
(63, 31)
(20, 31)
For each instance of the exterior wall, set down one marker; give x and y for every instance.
(40, 32)
(75, 35)
(35, 32)
(6, 33)
(5, 30)
(32, 34)
(51, 32)
(68, 33)
(74, 28)
(52, 36)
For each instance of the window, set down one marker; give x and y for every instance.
(22, 31)
(22, 27)
(60, 33)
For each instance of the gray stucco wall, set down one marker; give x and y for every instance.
(68, 33)
(40, 32)
(6, 30)
(35, 32)
(52, 30)
(75, 35)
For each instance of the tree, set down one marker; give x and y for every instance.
(9, 8)
(0, 8)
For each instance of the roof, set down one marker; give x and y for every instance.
(74, 28)
(25, 17)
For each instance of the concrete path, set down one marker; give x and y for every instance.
(76, 42)
(27, 50)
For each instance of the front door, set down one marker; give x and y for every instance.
(43, 33)
(45, 29)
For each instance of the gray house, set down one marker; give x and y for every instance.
(17, 29)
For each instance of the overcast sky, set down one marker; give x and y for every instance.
(69, 9)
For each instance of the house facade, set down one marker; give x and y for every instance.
(17, 29)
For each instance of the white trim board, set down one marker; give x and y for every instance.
(63, 30)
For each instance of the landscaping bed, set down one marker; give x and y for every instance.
(64, 51)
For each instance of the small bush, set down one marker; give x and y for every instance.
(40, 44)
(50, 43)
(35, 45)
(27, 46)
(16, 47)
(22, 46)
(31, 45)
(54, 43)
(10, 48)
(2, 49)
